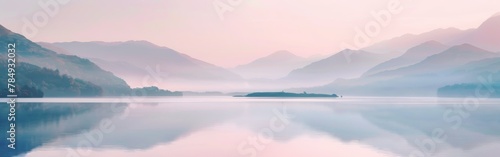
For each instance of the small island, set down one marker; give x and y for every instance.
(154, 91)
(287, 95)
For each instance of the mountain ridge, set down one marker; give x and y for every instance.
(4, 31)
(76, 67)
(454, 56)
(170, 68)
(486, 36)
(412, 56)
(272, 66)
(344, 64)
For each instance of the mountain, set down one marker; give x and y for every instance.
(50, 82)
(455, 68)
(345, 64)
(464, 90)
(482, 75)
(151, 64)
(54, 48)
(273, 66)
(448, 36)
(4, 31)
(412, 56)
(123, 69)
(452, 57)
(485, 36)
(476, 68)
(73, 66)
(458, 64)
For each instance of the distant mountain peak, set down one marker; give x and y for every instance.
(432, 42)
(491, 23)
(273, 66)
(451, 29)
(443, 30)
(4, 31)
(135, 42)
(278, 55)
(283, 53)
(435, 31)
(355, 52)
(466, 47)
(349, 51)
(426, 48)
(497, 14)
(427, 45)
(411, 56)
(140, 42)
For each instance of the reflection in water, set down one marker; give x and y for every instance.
(350, 127)
(40, 123)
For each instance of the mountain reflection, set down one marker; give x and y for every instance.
(40, 123)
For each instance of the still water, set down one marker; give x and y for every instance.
(253, 127)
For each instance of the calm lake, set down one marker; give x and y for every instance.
(254, 127)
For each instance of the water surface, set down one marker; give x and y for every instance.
(247, 127)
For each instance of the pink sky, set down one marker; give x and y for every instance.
(253, 29)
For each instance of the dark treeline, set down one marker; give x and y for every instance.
(470, 90)
(153, 91)
(33, 81)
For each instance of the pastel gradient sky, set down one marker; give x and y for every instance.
(254, 28)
